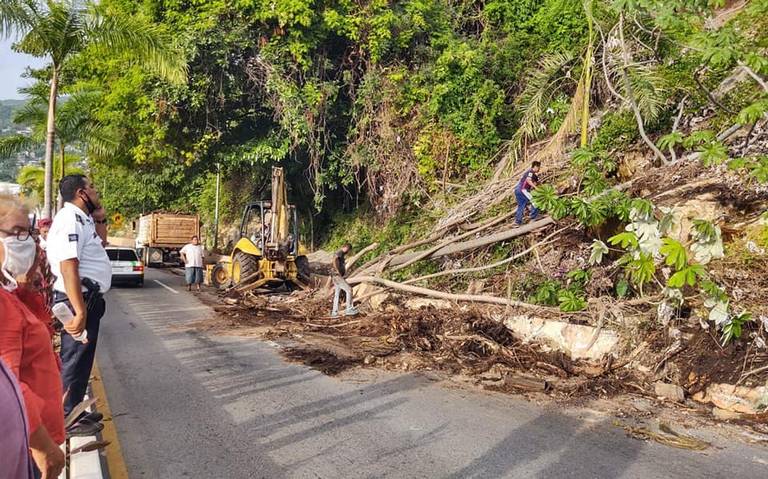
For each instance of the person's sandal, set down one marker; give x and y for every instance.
(84, 428)
(351, 312)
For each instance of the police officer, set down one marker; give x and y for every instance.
(83, 274)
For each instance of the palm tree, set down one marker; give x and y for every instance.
(60, 30)
(32, 177)
(75, 125)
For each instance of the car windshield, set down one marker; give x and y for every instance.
(122, 255)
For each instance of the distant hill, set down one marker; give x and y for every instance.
(9, 167)
(7, 108)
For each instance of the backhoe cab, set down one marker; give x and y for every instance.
(267, 255)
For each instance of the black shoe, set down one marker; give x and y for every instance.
(84, 428)
(92, 416)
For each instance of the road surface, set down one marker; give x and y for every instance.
(197, 405)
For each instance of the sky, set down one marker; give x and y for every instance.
(12, 66)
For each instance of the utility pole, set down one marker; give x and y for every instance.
(216, 208)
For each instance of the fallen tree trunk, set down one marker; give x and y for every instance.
(543, 242)
(442, 295)
(423, 254)
(475, 243)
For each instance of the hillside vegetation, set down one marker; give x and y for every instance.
(407, 123)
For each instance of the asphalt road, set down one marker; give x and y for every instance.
(190, 404)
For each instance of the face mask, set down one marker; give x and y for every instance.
(19, 258)
(89, 203)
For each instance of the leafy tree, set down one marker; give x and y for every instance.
(60, 30)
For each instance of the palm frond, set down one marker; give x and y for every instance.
(149, 44)
(33, 112)
(16, 16)
(555, 147)
(539, 90)
(650, 90)
(15, 144)
(542, 85)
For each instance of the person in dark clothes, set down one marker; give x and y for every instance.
(528, 182)
(338, 273)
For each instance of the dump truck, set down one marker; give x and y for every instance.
(160, 236)
(267, 253)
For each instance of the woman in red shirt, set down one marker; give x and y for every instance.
(25, 340)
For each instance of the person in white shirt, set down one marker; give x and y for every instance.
(192, 255)
(83, 275)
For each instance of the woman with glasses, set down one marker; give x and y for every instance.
(25, 339)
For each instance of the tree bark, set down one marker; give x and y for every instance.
(62, 172)
(441, 295)
(360, 254)
(631, 97)
(50, 137)
(419, 255)
(475, 243)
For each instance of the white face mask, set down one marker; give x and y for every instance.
(19, 258)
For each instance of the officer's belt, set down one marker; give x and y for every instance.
(89, 296)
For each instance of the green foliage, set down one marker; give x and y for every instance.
(704, 231)
(753, 113)
(674, 254)
(670, 140)
(622, 288)
(626, 240)
(698, 138)
(579, 277)
(733, 328)
(545, 198)
(570, 301)
(547, 293)
(713, 153)
(640, 268)
(617, 130)
(686, 276)
(756, 167)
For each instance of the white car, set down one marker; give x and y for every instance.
(126, 266)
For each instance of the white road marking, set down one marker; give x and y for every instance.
(166, 286)
(164, 311)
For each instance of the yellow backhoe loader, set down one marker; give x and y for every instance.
(267, 253)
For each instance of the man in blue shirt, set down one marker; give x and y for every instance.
(528, 182)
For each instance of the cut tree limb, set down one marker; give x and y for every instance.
(360, 254)
(428, 252)
(488, 266)
(543, 242)
(477, 243)
(442, 295)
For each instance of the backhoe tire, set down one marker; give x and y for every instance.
(244, 266)
(220, 276)
(303, 270)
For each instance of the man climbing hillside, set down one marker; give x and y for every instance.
(528, 182)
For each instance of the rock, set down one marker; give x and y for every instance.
(643, 405)
(724, 414)
(739, 399)
(703, 207)
(669, 391)
(418, 303)
(572, 339)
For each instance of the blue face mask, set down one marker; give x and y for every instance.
(19, 256)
